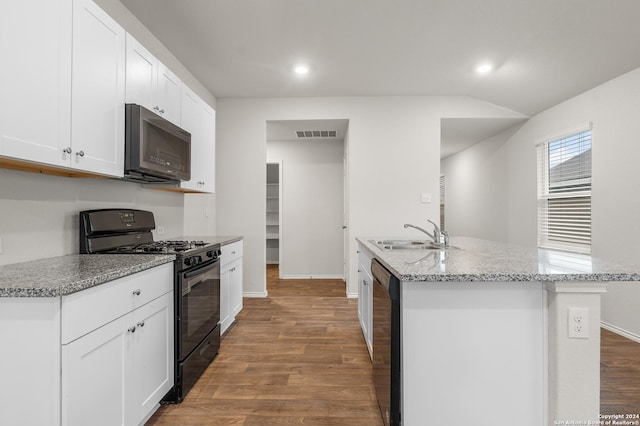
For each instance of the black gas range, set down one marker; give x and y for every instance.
(196, 284)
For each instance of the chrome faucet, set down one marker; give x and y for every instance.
(438, 237)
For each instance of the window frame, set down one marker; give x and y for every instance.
(564, 213)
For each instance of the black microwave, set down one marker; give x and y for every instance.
(156, 150)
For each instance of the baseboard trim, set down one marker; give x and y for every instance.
(620, 331)
(352, 295)
(255, 294)
(312, 277)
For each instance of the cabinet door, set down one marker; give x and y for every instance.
(225, 305)
(35, 80)
(168, 94)
(235, 288)
(153, 354)
(141, 74)
(199, 119)
(97, 96)
(190, 122)
(95, 372)
(207, 149)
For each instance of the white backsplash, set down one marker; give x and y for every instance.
(39, 213)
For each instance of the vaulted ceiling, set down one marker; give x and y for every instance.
(544, 51)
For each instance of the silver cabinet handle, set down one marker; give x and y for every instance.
(162, 111)
(364, 282)
(136, 292)
(141, 324)
(132, 329)
(80, 153)
(67, 150)
(156, 108)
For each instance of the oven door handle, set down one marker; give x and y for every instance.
(201, 269)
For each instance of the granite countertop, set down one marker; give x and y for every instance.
(212, 239)
(59, 276)
(475, 260)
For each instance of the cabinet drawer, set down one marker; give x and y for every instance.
(231, 252)
(89, 309)
(364, 263)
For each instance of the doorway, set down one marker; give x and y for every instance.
(274, 205)
(309, 158)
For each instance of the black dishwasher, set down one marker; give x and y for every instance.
(386, 343)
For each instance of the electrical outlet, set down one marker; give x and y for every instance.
(425, 198)
(578, 323)
(160, 230)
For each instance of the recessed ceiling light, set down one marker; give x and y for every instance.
(484, 68)
(301, 69)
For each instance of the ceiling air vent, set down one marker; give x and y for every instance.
(320, 134)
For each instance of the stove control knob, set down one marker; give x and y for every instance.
(192, 261)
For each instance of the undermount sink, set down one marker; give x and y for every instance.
(406, 245)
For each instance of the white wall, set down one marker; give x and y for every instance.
(311, 237)
(394, 145)
(613, 108)
(477, 177)
(39, 213)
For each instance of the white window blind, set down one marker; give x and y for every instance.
(442, 203)
(564, 193)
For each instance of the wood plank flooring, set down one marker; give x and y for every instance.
(296, 357)
(619, 375)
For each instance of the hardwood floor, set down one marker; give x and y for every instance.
(296, 357)
(619, 375)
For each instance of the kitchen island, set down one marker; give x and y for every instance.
(495, 334)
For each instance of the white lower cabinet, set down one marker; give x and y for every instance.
(230, 284)
(152, 374)
(365, 298)
(235, 285)
(124, 367)
(95, 369)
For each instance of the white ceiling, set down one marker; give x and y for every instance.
(457, 134)
(545, 51)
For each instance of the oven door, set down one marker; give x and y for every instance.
(199, 305)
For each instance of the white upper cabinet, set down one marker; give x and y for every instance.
(35, 80)
(142, 74)
(97, 91)
(199, 119)
(63, 93)
(169, 94)
(150, 83)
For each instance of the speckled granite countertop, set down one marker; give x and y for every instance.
(471, 259)
(212, 239)
(58, 276)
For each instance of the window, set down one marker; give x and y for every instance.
(442, 202)
(564, 193)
